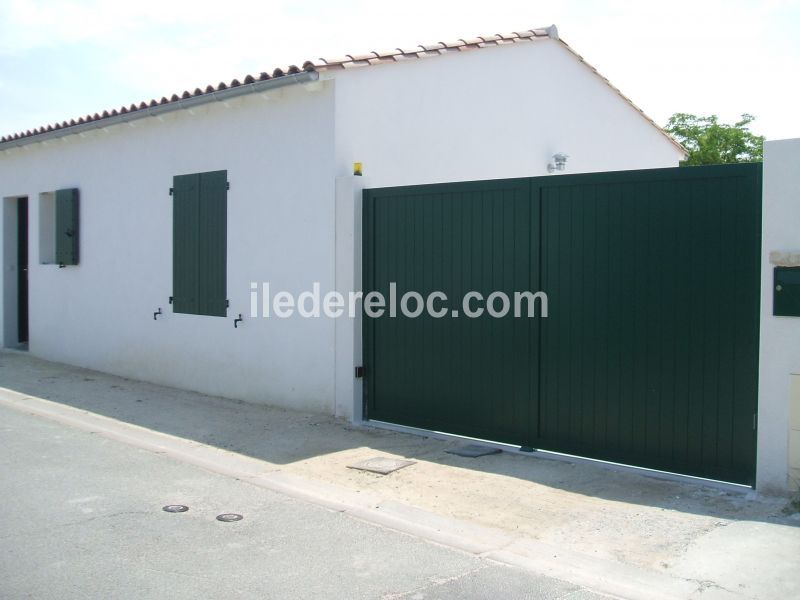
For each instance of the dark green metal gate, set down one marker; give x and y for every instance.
(649, 355)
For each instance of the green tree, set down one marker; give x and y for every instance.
(710, 142)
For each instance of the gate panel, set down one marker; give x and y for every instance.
(649, 354)
(471, 376)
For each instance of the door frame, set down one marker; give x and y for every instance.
(23, 264)
(15, 290)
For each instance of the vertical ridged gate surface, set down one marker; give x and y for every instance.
(649, 355)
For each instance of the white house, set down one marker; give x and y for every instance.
(492, 107)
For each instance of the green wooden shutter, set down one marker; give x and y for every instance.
(185, 255)
(200, 207)
(213, 243)
(67, 226)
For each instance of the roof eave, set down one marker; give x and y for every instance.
(160, 109)
(649, 119)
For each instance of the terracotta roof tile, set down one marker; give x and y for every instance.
(389, 53)
(411, 51)
(362, 57)
(346, 62)
(429, 47)
(380, 61)
(331, 61)
(455, 44)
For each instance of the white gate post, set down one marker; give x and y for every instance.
(348, 389)
(778, 465)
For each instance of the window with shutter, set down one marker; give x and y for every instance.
(199, 243)
(67, 227)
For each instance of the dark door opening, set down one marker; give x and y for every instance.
(22, 270)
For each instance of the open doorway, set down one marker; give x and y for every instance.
(15, 272)
(22, 271)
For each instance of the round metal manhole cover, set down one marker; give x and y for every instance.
(229, 517)
(175, 508)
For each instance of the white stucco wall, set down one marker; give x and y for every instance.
(488, 113)
(780, 336)
(279, 155)
(483, 114)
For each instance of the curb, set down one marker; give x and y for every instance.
(616, 579)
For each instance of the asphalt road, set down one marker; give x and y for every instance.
(82, 518)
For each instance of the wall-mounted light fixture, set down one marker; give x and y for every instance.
(559, 162)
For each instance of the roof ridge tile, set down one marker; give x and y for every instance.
(350, 60)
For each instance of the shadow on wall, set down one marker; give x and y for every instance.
(284, 437)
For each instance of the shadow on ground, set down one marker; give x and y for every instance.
(284, 437)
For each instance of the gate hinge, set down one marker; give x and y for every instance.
(171, 190)
(359, 372)
(227, 185)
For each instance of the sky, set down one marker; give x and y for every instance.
(62, 59)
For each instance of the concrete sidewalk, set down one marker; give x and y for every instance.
(89, 525)
(629, 533)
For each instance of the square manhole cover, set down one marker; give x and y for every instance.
(473, 450)
(381, 465)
